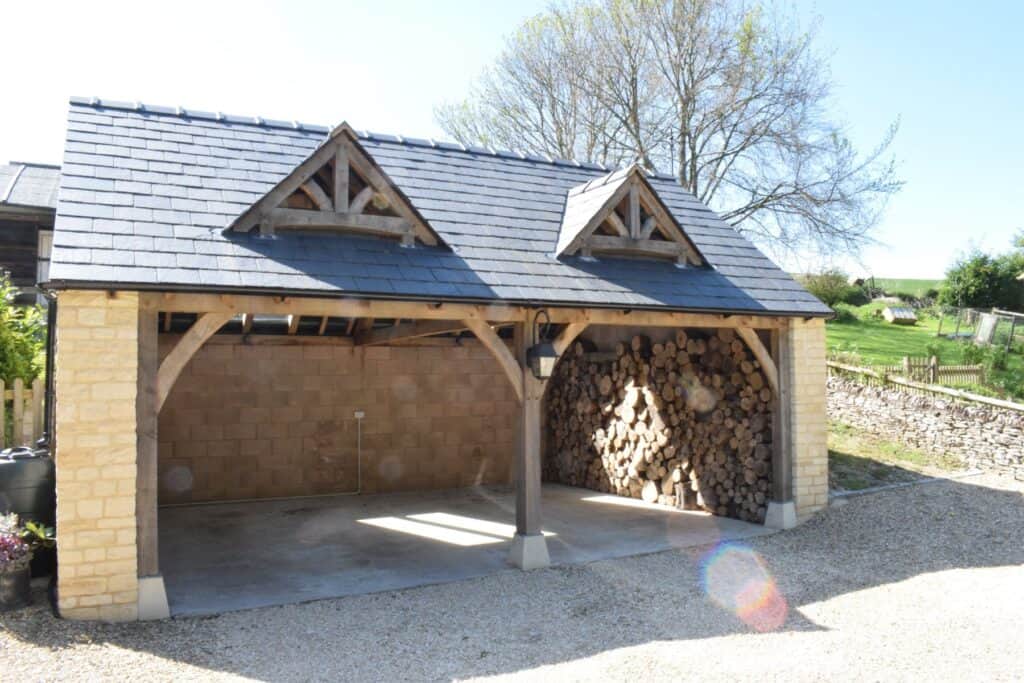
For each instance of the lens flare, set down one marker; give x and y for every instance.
(737, 579)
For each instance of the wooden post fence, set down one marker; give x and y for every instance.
(25, 413)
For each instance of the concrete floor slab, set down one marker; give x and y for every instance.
(231, 556)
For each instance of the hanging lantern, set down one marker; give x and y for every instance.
(542, 355)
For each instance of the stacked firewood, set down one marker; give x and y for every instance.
(685, 423)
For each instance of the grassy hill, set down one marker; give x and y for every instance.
(911, 286)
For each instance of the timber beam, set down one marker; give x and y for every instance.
(419, 310)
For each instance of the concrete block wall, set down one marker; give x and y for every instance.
(257, 421)
(96, 380)
(809, 427)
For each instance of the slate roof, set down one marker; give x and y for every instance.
(29, 185)
(146, 193)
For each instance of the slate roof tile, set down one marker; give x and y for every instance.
(145, 195)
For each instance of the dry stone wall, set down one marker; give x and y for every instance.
(984, 437)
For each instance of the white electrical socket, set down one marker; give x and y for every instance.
(359, 415)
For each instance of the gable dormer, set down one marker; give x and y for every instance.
(620, 214)
(340, 189)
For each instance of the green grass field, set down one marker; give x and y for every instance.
(875, 342)
(907, 285)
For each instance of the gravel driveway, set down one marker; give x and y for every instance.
(922, 582)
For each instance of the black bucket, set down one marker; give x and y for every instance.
(28, 489)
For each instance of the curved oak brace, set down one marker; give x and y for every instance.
(500, 351)
(762, 355)
(568, 336)
(361, 200)
(317, 195)
(204, 327)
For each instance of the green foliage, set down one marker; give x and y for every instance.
(970, 354)
(832, 287)
(34, 534)
(981, 280)
(870, 341)
(22, 337)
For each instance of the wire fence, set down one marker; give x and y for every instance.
(997, 327)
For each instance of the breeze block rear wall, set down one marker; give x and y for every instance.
(258, 420)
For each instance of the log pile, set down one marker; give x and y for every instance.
(685, 423)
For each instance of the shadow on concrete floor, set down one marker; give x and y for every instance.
(231, 556)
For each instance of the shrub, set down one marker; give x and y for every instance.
(833, 288)
(934, 349)
(971, 354)
(996, 358)
(22, 337)
(844, 314)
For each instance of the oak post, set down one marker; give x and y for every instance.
(781, 513)
(529, 548)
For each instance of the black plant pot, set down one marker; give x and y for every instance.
(15, 589)
(44, 562)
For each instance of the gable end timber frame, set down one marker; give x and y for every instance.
(337, 212)
(633, 236)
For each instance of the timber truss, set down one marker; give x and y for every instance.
(621, 214)
(338, 188)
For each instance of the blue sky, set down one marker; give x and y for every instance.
(951, 71)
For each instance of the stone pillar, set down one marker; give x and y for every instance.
(96, 382)
(808, 418)
(800, 448)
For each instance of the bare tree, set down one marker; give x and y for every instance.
(732, 99)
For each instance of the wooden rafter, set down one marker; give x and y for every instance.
(404, 331)
(416, 329)
(293, 323)
(323, 325)
(763, 356)
(194, 302)
(202, 329)
(489, 338)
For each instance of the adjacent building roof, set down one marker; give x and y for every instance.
(29, 185)
(147, 192)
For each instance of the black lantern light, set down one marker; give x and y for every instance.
(542, 355)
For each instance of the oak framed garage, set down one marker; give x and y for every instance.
(174, 226)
